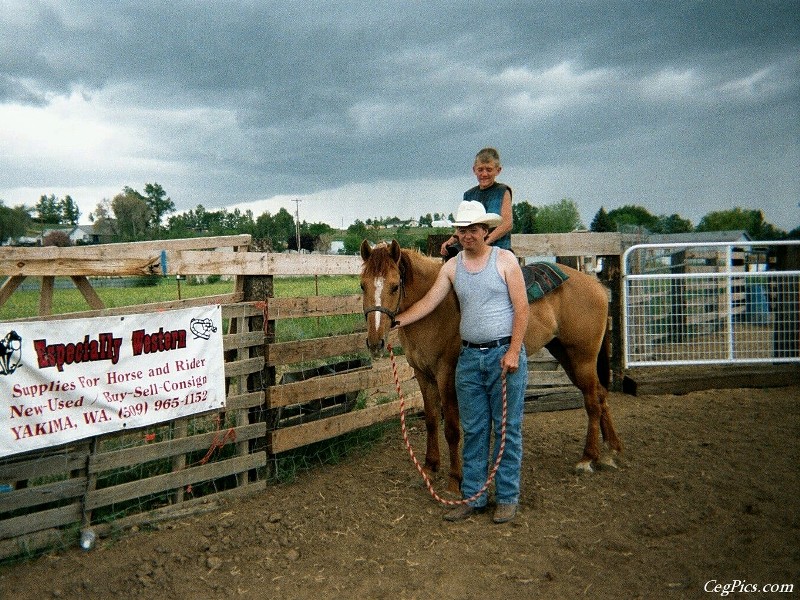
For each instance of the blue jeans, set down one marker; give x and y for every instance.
(480, 404)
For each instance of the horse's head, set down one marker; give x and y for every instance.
(382, 284)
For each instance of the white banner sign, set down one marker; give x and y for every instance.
(67, 380)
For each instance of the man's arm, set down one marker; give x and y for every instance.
(425, 305)
(519, 300)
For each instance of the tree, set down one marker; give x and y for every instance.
(13, 221)
(158, 203)
(524, 216)
(70, 213)
(277, 231)
(672, 224)
(751, 221)
(631, 216)
(57, 238)
(561, 217)
(356, 233)
(103, 219)
(602, 222)
(48, 209)
(132, 215)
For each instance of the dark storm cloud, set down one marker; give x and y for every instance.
(246, 100)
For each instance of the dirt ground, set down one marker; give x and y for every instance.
(709, 494)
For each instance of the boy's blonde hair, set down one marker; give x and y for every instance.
(487, 155)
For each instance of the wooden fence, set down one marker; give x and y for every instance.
(280, 395)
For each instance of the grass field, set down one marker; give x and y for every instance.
(24, 304)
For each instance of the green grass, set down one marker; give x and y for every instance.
(24, 304)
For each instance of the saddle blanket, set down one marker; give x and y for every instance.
(541, 278)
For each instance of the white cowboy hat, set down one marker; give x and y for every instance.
(471, 212)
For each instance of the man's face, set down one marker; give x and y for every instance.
(471, 235)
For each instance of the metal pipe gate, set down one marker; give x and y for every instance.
(711, 303)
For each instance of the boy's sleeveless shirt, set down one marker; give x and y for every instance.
(486, 310)
(492, 200)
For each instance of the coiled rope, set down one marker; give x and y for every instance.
(422, 472)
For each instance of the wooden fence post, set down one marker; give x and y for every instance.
(260, 288)
(612, 277)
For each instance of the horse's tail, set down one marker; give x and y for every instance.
(604, 361)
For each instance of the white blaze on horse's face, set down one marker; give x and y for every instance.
(377, 302)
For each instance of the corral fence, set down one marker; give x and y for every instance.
(285, 393)
(721, 303)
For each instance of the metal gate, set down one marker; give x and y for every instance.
(712, 303)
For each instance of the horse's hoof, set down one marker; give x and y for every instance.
(585, 466)
(607, 462)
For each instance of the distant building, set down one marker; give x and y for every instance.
(80, 235)
(700, 237)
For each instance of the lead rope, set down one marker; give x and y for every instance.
(422, 472)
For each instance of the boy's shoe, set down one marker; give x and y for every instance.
(462, 511)
(504, 513)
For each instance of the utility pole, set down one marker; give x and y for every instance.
(297, 222)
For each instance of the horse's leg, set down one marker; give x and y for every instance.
(613, 442)
(452, 429)
(582, 371)
(609, 433)
(430, 398)
(589, 386)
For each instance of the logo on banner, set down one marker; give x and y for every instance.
(10, 352)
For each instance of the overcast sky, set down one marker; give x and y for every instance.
(376, 109)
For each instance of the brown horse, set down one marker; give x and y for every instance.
(571, 322)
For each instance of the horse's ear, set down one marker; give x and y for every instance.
(394, 251)
(366, 250)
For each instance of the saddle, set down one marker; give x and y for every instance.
(542, 278)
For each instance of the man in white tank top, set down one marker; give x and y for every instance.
(494, 317)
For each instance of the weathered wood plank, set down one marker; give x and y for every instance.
(248, 339)
(242, 310)
(169, 481)
(9, 287)
(245, 400)
(682, 380)
(247, 366)
(260, 263)
(86, 289)
(315, 431)
(33, 464)
(332, 385)
(284, 353)
(46, 296)
(132, 265)
(38, 540)
(42, 494)
(127, 457)
(314, 306)
(566, 244)
(54, 517)
(123, 250)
